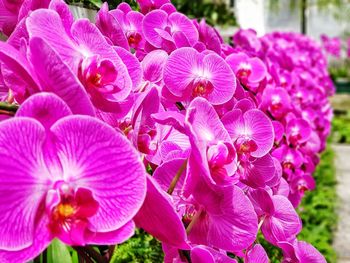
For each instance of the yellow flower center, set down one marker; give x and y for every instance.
(65, 210)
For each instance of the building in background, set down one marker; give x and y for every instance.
(258, 14)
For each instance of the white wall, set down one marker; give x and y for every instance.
(256, 14)
(251, 14)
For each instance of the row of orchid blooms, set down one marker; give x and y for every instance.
(333, 46)
(229, 135)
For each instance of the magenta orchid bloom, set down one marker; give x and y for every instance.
(290, 158)
(75, 188)
(153, 66)
(211, 144)
(145, 133)
(9, 15)
(225, 226)
(131, 23)
(251, 132)
(208, 38)
(247, 39)
(13, 11)
(276, 101)
(206, 254)
(259, 172)
(298, 131)
(300, 252)
(331, 45)
(42, 71)
(92, 59)
(111, 28)
(256, 254)
(249, 71)
(280, 222)
(149, 5)
(189, 74)
(298, 186)
(168, 32)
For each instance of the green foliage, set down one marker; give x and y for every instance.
(339, 68)
(92, 4)
(341, 129)
(274, 253)
(215, 12)
(339, 72)
(115, 3)
(57, 252)
(141, 248)
(318, 208)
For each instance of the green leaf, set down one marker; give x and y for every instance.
(97, 3)
(57, 252)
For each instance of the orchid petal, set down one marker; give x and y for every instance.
(158, 217)
(24, 181)
(58, 78)
(95, 156)
(47, 108)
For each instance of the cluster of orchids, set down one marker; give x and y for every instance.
(148, 119)
(333, 46)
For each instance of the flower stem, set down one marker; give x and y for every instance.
(90, 255)
(4, 106)
(176, 178)
(37, 259)
(184, 255)
(180, 106)
(194, 220)
(261, 221)
(110, 252)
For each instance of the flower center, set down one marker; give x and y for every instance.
(295, 135)
(95, 79)
(243, 74)
(134, 39)
(202, 89)
(69, 218)
(146, 141)
(302, 187)
(98, 74)
(65, 210)
(245, 145)
(219, 155)
(288, 165)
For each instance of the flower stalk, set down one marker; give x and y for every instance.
(177, 177)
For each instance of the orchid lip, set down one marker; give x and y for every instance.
(245, 145)
(69, 216)
(100, 74)
(134, 38)
(203, 88)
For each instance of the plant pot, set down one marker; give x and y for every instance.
(342, 85)
(82, 12)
